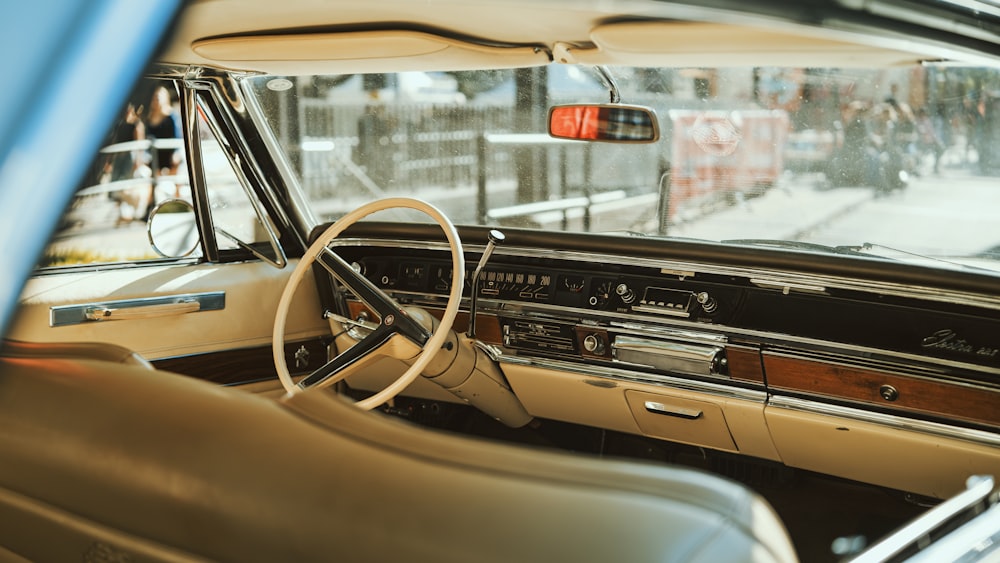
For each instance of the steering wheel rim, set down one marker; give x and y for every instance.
(430, 347)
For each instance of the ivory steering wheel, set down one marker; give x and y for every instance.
(394, 322)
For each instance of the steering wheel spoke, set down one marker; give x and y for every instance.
(385, 307)
(418, 344)
(329, 372)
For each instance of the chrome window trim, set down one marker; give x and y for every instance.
(233, 157)
(197, 176)
(233, 102)
(255, 113)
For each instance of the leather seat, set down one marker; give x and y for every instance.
(106, 459)
(70, 350)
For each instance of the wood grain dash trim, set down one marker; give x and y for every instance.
(920, 395)
(744, 362)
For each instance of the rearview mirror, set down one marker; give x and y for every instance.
(614, 123)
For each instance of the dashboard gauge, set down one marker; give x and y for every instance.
(572, 283)
(412, 275)
(602, 294)
(442, 278)
(515, 285)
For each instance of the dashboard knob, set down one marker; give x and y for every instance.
(888, 392)
(594, 344)
(707, 302)
(626, 293)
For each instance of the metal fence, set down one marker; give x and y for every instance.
(352, 151)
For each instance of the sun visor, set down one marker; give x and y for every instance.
(687, 44)
(362, 52)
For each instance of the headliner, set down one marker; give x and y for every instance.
(319, 36)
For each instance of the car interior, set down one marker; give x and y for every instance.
(301, 385)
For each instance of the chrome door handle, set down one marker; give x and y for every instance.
(101, 313)
(139, 308)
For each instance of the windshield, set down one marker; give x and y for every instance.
(897, 163)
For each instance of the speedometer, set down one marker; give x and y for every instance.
(515, 286)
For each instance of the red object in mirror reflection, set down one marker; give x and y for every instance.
(575, 122)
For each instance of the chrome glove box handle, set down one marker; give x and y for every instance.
(672, 410)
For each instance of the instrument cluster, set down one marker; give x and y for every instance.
(642, 291)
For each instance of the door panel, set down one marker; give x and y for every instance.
(252, 290)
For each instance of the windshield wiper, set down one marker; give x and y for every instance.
(867, 246)
(797, 245)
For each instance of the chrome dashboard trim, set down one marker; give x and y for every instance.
(666, 327)
(618, 374)
(980, 437)
(634, 324)
(681, 269)
(667, 355)
(671, 326)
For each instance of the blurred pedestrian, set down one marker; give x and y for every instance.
(930, 140)
(163, 123)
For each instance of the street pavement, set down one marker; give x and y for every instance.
(796, 206)
(955, 213)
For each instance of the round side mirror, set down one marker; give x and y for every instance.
(172, 229)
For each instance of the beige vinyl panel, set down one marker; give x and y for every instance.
(360, 52)
(384, 371)
(686, 44)
(880, 454)
(727, 423)
(252, 290)
(682, 420)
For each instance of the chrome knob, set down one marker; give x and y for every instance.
(626, 293)
(707, 302)
(594, 344)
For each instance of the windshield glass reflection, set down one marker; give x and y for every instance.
(898, 163)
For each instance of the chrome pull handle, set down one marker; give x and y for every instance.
(672, 410)
(140, 308)
(101, 313)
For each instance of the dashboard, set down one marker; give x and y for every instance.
(811, 368)
(545, 300)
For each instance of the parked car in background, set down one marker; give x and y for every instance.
(563, 253)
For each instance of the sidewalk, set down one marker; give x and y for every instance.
(788, 211)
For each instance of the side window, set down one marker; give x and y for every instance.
(140, 164)
(136, 203)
